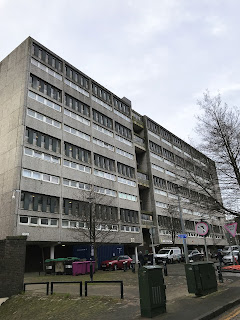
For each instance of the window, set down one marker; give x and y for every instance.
(160, 169)
(46, 57)
(161, 204)
(77, 105)
(103, 144)
(155, 147)
(168, 154)
(74, 207)
(129, 143)
(39, 202)
(125, 154)
(76, 184)
(152, 126)
(126, 181)
(165, 134)
(42, 156)
(101, 93)
(42, 140)
(44, 101)
(108, 192)
(77, 133)
(126, 196)
(179, 161)
(159, 182)
(177, 142)
(46, 69)
(104, 175)
(23, 220)
(77, 77)
(127, 215)
(125, 170)
(76, 117)
(123, 131)
(77, 153)
(76, 166)
(189, 165)
(104, 163)
(101, 129)
(43, 118)
(76, 87)
(39, 176)
(122, 107)
(102, 119)
(172, 187)
(46, 88)
(106, 213)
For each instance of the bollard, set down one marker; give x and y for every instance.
(91, 271)
(220, 277)
(125, 266)
(133, 267)
(165, 268)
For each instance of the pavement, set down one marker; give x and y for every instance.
(2, 300)
(180, 304)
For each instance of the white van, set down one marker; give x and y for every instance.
(170, 255)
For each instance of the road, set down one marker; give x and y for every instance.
(232, 314)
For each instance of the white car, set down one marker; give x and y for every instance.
(228, 258)
(169, 255)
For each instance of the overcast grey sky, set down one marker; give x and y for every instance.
(160, 54)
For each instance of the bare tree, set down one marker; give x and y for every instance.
(174, 224)
(98, 219)
(219, 130)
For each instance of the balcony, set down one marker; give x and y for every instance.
(143, 179)
(137, 122)
(139, 144)
(146, 219)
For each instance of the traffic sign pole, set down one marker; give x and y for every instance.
(183, 230)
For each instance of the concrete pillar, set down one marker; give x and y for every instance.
(52, 252)
(136, 254)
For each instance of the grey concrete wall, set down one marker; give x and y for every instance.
(12, 93)
(12, 263)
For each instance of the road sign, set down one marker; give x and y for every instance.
(202, 228)
(231, 228)
(182, 236)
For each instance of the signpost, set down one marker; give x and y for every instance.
(202, 229)
(182, 236)
(231, 228)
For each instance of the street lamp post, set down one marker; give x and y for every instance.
(182, 227)
(91, 237)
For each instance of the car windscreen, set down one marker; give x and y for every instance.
(113, 258)
(163, 251)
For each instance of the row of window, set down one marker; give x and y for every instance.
(46, 57)
(43, 118)
(46, 69)
(76, 76)
(38, 202)
(174, 188)
(42, 140)
(179, 161)
(170, 139)
(46, 88)
(44, 101)
(35, 221)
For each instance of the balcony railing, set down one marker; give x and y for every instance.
(139, 140)
(137, 117)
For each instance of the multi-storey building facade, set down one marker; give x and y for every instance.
(64, 136)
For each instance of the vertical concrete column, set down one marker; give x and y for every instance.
(136, 254)
(52, 252)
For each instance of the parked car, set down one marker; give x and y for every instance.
(116, 263)
(227, 249)
(195, 255)
(168, 254)
(228, 258)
